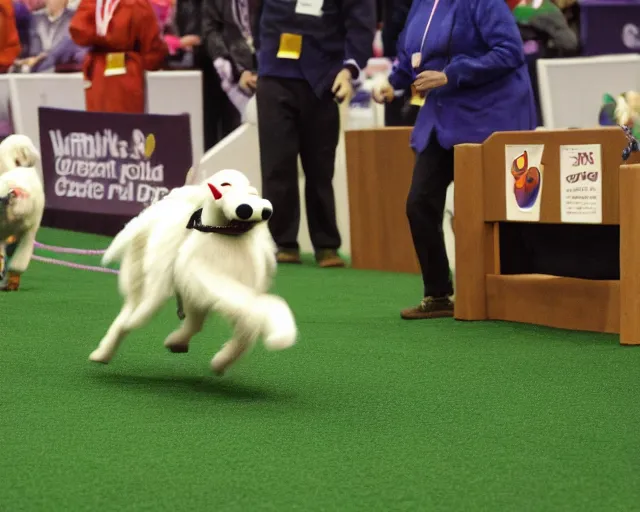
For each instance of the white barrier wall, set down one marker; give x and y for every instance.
(169, 92)
(571, 90)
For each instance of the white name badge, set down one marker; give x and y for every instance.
(309, 7)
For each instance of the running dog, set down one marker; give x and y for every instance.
(210, 245)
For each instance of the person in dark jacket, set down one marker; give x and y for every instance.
(309, 53)
(466, 61)
(227, 28)
(189, 14)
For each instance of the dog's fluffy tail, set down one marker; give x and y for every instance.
(123, 240)
(279, 329)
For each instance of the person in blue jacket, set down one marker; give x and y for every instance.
(465, 59)
(310, 54)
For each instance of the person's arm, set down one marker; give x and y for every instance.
(498, 29)
(360, 28)
(82, 28)
(35, 43)
(212, 28)
(153, 49)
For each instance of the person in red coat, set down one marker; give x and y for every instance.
(9, 40)
(125, 41)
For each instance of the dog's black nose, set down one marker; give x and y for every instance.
(244, 211)
(266, 213)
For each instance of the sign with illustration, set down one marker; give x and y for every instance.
(581, 184)
(523, 181)
(109, 163)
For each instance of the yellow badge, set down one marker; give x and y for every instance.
(290, 46)
(115, 64)
(416, 98)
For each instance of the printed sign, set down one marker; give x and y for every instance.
(581, 184)
(114, 164)
(524, 174)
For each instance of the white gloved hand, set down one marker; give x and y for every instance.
(382, 90)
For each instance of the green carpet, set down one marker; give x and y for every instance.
(366, 413)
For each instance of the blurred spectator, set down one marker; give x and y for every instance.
(125, 41)
(23, 23)
(9, 39)
(49, 40)
(180, 28)
(227, 32)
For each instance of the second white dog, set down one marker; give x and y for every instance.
(210, 245)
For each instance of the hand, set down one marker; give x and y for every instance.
(382, 92)
(342, 87)
(189, 41)
(428, 80)
(248, 81)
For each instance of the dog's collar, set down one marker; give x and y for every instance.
(233, 229)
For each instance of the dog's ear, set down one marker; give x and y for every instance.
(216, 193)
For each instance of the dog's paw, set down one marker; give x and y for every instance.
(99, 356)
(280, 340)
(178, 348)
(218, 366)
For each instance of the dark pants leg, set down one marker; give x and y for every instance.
(278, 133)
(432, 174)
(319, 136)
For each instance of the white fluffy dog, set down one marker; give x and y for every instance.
(17, 151)
(21, 209)
(210, 245)
(449, 233)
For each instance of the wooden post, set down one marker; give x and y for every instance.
(471, 234)
(629, 182)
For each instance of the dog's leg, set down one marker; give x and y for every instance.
(179, 307)
(23, 253)
(178, 341)
(111, 341)
(245, 334)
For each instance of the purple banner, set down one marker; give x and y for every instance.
(610, 26)
(114, 164)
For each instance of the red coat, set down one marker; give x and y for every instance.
(9, 40)
(133, 30)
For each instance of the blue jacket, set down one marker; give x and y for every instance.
(478, 46)
(343, 35)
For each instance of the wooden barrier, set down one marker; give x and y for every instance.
(379, 169)
(483, 293)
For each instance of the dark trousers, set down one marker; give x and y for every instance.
(432, 174)
(293, 121)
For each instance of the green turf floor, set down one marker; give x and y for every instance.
(366, 413)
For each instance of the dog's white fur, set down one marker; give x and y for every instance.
(21, 216)
(449, 235)
(17, 151)
(230, 275)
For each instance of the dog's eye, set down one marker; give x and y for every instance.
(225, 184)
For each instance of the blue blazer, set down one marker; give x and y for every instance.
(478, 46)
(343, 35)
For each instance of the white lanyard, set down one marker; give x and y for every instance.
(104, 13)
(417, 57)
